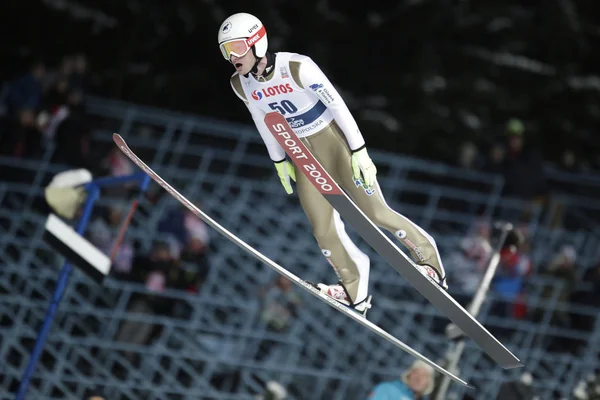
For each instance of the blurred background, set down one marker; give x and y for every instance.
(474, 112)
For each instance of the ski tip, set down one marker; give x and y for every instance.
(118, 140)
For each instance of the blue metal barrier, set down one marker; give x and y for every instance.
(93, 192)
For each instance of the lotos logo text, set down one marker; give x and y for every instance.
(272, 91)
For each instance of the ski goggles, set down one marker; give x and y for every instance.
(239, 47)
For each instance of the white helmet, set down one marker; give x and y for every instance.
(239, 33)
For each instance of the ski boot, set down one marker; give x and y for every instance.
(433, 273)
(339, 294)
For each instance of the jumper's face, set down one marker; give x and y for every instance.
(239, 53)
(243, 64)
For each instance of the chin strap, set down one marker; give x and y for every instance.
(268, 68)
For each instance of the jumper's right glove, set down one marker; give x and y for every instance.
(286, 170)
(363, 168)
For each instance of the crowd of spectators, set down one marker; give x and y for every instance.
(45, 106)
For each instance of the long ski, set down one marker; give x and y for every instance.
(276, 267)
(318, 176)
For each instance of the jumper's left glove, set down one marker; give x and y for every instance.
(285, 170)
(363, 168)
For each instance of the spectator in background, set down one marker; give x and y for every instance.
(273, 391)
(587, 296)
(20, 134)
(190, 235)
(496, 158)
(562, 267)
(193, 265)
(520, 389)
(153, 270)
(62, 102)
(468, 156)
(278, 308)
(26, 91)
(520, 163)
(523, 169)
(514, 266)
(467, 265)
(188, 230)
(117, 164)
(63, 119)
(279, 304)
(56, 96)
(195, 262)
(103, 234)
(415, 383)
(23, 135)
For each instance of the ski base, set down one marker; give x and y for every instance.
(278, 268)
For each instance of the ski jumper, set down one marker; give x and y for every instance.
(297, 88)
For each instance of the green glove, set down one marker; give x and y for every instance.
(363, 168)
(286, 170)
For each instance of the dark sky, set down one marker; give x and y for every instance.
(420, 75)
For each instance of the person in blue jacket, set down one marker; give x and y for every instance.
(415, 382)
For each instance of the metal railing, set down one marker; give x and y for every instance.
(212, 348)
